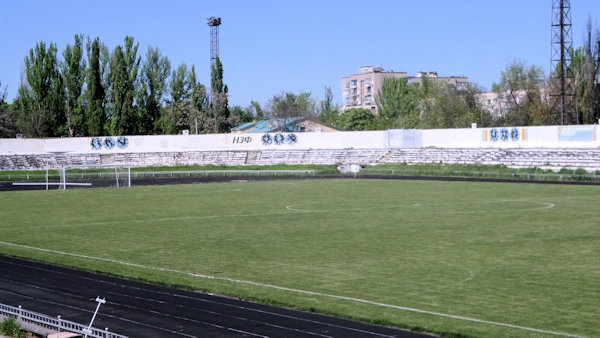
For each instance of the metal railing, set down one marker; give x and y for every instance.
(513, 175)
(25, 176)
(53, 323)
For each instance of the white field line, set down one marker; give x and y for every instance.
(312, 293)
(537, 205)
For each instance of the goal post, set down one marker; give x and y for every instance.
(106, 175)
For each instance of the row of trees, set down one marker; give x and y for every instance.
(91, 91)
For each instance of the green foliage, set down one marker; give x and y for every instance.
(199, 104)
(154, 74)
(40, 108)
(256, 110)
(397, 104)
(219, 108)
(73, 71)
(175, 117)
(10, 327)
(520, 95)
(430, 104)
(289, 105)
(124, 66)
(356, 119)
(241, 115)
(7, 120)
(95, 116)
(328, 112)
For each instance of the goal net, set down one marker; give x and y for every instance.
(108, 176)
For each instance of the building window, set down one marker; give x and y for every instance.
(353, 83)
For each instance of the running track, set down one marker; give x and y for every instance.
(142, 310)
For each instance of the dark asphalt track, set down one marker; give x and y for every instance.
(142, 310)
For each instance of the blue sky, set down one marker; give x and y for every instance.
(268, 47)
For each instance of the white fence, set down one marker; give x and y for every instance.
(31, 320)
(585, 136)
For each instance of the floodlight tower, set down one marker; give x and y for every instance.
(214, 24)
(560, 68)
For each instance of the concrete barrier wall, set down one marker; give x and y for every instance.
(587, 136)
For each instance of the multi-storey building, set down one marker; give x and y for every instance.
(359, 90)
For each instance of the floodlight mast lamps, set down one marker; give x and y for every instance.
(214, 24)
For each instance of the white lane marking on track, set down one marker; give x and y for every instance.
(103, 314)
(172, 316)
(306, 292)
(223, 304)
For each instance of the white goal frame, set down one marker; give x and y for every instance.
(121, 175)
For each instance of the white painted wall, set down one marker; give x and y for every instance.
(587, 136)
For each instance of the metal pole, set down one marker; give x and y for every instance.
(100, 301)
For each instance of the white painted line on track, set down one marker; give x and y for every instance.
(212, 301)
(103, 314)
(282, 288)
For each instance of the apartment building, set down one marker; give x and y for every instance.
(359, 90)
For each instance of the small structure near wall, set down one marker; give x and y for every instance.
(277, 125)
(349, 168)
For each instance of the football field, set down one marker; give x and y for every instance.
(470, 258)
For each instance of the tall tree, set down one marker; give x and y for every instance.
(397, 104)
(240, 115)
(329, 113)
(95, 115)
(520, 89)
(219, 104)
(155, 72)
(41, 98)
(175, 118)
(289, 105)
(256, 110)
(199, 104)
(585, 66)
(124, 64)
(7, 124)
(356, 119)
(73, 74)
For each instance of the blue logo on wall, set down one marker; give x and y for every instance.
(97, 143)
(279, 139)
(503, 134)
(122, 142)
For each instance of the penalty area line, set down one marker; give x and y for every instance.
(282, 288)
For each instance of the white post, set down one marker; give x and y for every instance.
(89, 329)
(46, 178)
(128, 177)
(117, 176)
(64, 178)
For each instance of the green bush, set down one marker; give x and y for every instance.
(10, 327)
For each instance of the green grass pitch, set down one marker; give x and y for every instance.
(470, 258)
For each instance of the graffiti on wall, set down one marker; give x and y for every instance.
(504, 135)
(109, 142)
